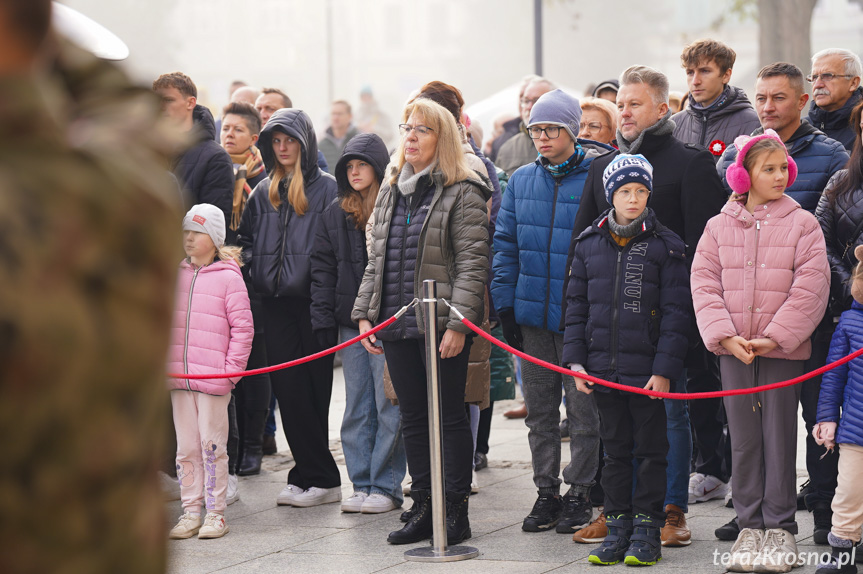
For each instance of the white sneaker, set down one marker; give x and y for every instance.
(745, 550)
(188, 526)
(778, 552)
(233, 489)
(214, 526)
(695, 479)
(354, 503)
(377, 503)
(708, 488)
(728, 503)
(474, 484)
(315, 496)
(288, 495)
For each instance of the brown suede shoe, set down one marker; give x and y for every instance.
(517, 412)
(675, 532)
(593, 533)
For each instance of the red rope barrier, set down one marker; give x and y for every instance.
(295, 362)
(640, 391)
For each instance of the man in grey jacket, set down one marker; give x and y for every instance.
(717, 112)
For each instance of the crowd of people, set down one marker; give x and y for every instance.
(713, 247)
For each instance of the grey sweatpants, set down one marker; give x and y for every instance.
(763, 429)
(542, 392)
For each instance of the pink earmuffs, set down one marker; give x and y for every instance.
(737, 176)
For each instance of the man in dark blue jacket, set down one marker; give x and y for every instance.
(836, 92)
(531, 242)
(204, 170)
(779, 99)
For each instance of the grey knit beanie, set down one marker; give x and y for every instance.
(558, 109)
(209, 219)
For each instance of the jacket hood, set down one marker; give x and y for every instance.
(778, 208)
(213, 267)
(369, 148)
(482, 183)
(297, 124)
(205, 125)
(835, 120)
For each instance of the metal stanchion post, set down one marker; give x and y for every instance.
(438, 551)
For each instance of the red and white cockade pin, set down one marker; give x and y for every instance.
(717, 147)
(199, 219)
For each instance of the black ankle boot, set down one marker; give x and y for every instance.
(457, 523)
(419, 527)
(253, 442)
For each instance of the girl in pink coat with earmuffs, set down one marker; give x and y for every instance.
(760, 283)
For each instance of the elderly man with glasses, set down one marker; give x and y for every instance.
(836, 91)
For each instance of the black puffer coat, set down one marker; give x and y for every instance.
(629, 314)
(277, 243)
(836, 124)
(732, 116)
(205, 170)
(339, 256)
(840, 216)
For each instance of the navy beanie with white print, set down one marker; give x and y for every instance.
(209, 219)
(625, 169)
(558, 109)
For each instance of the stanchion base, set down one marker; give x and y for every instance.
(451, 554)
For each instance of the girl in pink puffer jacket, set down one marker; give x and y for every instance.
(212, 333)
(760, 282)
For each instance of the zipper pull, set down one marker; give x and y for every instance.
(409, 217)
(758, 225)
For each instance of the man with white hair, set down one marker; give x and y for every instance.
(836, 91)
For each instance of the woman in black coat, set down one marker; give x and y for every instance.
(276, 233)
(371, 427)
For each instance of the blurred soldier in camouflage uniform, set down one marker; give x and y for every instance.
(89, 241)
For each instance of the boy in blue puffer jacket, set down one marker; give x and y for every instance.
(531, 243)
(843, 387)
(627, 321)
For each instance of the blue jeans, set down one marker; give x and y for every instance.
(371, 428)
(679, 447)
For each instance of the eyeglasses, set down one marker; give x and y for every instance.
(639, 193)
(592, 126)
(826, 77)
(535, 132)
(405, 130)
(529, 101)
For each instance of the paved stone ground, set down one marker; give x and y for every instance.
(320, 540)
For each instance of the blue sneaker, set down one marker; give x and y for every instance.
(645, 547)
(613, 548)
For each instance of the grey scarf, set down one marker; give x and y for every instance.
(408, 179)
(663, 127)
(626, 231)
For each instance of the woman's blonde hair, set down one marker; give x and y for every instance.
(359, 208)
(604, 107)
(296, 188)
(758, 149)
(230, 252)
(449, 154)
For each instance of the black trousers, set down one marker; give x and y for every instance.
(484, 431)
(633, 427)
(823, 472)
(406, 363)
(303, 391)
(712, 449)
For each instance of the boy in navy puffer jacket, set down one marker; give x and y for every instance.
(843, 387)
(627, 321)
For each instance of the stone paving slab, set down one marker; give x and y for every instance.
(267, 538)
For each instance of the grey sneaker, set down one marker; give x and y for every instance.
(778, 552)
(214, 526)
(188, 526)
(745, 550)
